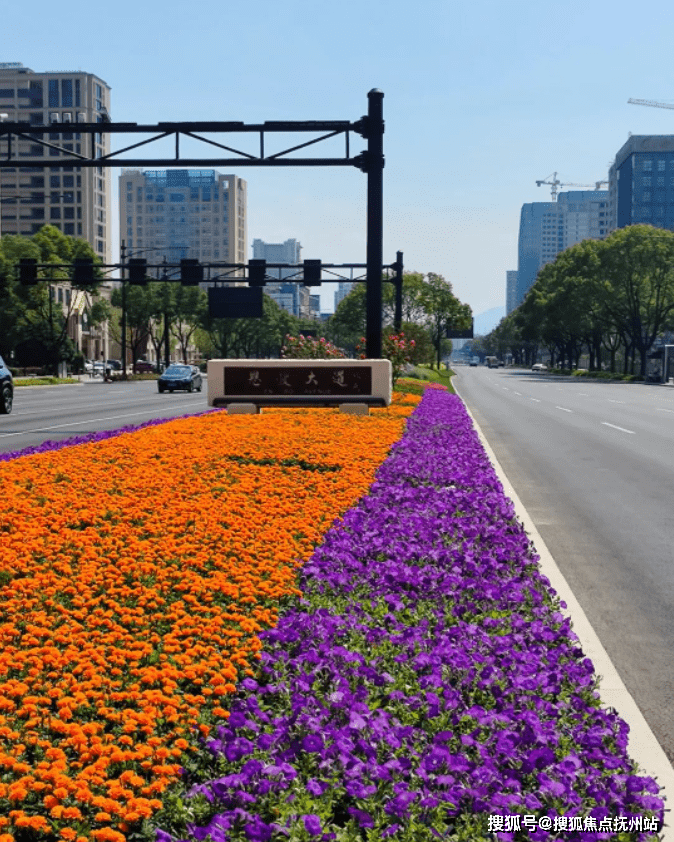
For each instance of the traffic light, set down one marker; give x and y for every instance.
(28, 271)
(138, 271)
(191, 272)
(257, 270)
(83, 270)
(312, 273)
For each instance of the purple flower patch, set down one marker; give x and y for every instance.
(425, 680)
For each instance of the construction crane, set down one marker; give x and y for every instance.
(555, 184)
(650, 102)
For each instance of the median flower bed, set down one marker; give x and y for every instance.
(137, 571)
(424, 681)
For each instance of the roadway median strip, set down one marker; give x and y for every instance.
(622, 429)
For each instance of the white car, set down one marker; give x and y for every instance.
(539, 367)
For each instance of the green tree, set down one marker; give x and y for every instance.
(190, 303)
(442, 310)
(139, 312)
(32, 316)
(637, 265)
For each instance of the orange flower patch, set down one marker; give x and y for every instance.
(135, 576)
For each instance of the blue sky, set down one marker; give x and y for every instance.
(481, 100)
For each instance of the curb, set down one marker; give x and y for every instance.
(642, 744)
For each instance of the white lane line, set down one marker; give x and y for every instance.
(518, 393)
(506, 388)
(564, 409)
(534, 399)
(76, 423)
(622, 429)
(660, 409)
(611, 401)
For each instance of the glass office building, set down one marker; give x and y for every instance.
(546, 228)
(641, 183)
(177, 214)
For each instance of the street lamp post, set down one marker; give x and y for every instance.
(3, 116)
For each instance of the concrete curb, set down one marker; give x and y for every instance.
(642, 745)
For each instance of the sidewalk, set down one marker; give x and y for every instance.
(642, 746)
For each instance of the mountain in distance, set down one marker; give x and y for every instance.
(485, 322)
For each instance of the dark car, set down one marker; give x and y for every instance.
(6, 389)
(144, 367)
(179, 376)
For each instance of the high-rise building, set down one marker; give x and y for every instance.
(343, 289)
(293, 297)
(641, 183)
(74, 199)
(511, 290)
(546, 228)
(289, 251)
(178, 214)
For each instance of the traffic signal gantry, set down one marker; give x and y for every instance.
(370, 161)
(224, 300)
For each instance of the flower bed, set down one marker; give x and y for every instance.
(425, 680)
(136, 572)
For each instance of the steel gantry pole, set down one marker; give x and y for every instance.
(375, 222)
(398, 320)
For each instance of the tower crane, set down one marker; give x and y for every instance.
(555, 184)
(650, 102)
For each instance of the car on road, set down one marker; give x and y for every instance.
(144, 367)
(178, 376)
(474, 361)
(6, 389)
(539, 367)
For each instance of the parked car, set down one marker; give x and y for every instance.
(89, 366)
(6, 389)
(144, 367)
(539, 367)
(178, 376)
(501, 364)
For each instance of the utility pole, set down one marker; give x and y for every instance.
(375, 221)
(123, 276)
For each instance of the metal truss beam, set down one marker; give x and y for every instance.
(370, 161)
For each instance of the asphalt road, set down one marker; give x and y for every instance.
(593, 463)
(54, 413)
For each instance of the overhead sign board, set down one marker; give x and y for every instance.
(235, 302)
(458, 333)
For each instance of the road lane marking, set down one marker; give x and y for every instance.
(611, 401)
(534, 399)
(660, 409)
(564, 409)
(518, 393)
(78, 423)
(622, 429)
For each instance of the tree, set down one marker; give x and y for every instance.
(139, 311)
(637, 263)
(442, 310)
(190, 303)
(39, 321)
(348, 323)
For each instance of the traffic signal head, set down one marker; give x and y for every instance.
(138, 271)
(312, 273)
(83, 270)
(191, 272)
(257, 270)
(28, 271)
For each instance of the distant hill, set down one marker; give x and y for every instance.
(485, 322)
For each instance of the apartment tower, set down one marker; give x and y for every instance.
(74, 199)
